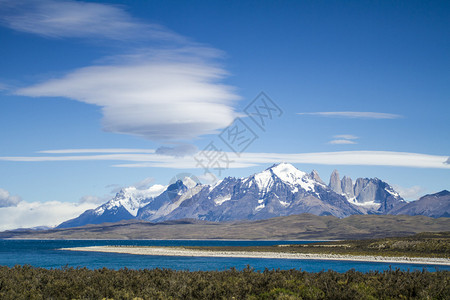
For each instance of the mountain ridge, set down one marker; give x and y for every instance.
(435, 205)
(279, 190)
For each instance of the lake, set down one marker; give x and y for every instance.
(44, 253)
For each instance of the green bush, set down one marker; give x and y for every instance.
(25, 282)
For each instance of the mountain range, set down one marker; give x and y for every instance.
(280, 190)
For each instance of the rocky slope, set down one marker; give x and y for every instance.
(370, 195)
(280, 190)
(435, 205)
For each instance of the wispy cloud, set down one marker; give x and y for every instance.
(3, 87)
(364, 158)
(410, 193)
(99, 157)
(341, 142)
(7, 200)
(354, 114)
(345, 136)
(165, 87)
(103, 150)
(343, 139)
(178, 150)
(144, 183)
(94, 200)
(76, 19)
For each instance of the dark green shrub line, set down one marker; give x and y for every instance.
(26, 282)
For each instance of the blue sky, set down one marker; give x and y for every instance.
(97, 95)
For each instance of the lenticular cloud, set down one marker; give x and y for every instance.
(167, 88)
(175, 97)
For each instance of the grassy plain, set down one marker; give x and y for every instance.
(419, 245)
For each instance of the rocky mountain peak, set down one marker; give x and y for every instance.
(335, 182)
(315, 175)
(287, 172)
(440, 194)
(189, 182)
(347, 187)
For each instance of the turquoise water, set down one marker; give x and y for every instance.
(44, 253)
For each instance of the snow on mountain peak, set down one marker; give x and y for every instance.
(131, 199)
(189, 182)
(286, 173)
(263, 180)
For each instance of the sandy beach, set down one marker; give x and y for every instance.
(180, 251)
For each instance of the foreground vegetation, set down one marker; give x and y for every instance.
(25, 282)
(419, 245)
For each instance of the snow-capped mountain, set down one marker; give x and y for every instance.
(371, 195)
(124, 206)
(280, 190)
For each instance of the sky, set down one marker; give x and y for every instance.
(100, 95)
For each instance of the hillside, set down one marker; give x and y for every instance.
(436, 206)
(294, 227)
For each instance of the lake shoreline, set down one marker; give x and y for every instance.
(180, 251)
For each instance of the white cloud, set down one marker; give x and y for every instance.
(364, 158)
(7, 200)
(32, 214)
(144, 184)
(165, 88)
(77, 19)
(410, 193)
(354, 114)
(177, 98)
(345, 136)
(111, 150)
(343, 139)
(23, 214)
(3, 87)
(208, 178)
(155, 190)
(112, 157)
(341, 142)
(249, 159)
(114, 188)
(95, 200)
